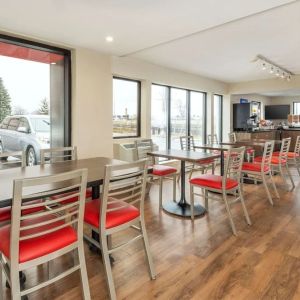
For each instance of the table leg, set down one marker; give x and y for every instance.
(95, 235)
(222, 163)
(182, 208)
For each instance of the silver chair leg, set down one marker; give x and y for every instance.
(274, 185)
(267, 189)
(15, 284)
(147, 250)
(83, 272)
(297, 165)
(107, 268)
(206, 199)
(192, 198)
(290, 175)
(160, 192)
(174, 187)
(282, 175)
(244, 206)
(229, 213)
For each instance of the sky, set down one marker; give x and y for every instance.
(27, 82)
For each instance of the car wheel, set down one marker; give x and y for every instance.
(1, 151)
(30, 157)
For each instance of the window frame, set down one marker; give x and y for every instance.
(139, 92)
(188, 111)
(294, 102)
(67, 76)
(220, 133)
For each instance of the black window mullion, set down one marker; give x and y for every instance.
(204, 133)
(169, 118)
(188, 112)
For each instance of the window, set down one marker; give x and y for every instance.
(218, 116)
(126, 107)
(296, 108)
(177, 112)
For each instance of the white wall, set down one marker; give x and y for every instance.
(285, 100)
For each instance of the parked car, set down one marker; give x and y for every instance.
(25, 132)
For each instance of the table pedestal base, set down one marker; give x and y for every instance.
(183, 210)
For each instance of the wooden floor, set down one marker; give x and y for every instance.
(202, 260)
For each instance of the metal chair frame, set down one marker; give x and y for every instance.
(70, 214)
(60, 154)
(124, 185)
(233, 166)
(233, 138)
(262, 175)
(296, 159)
(4, 163)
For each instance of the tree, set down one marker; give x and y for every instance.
(5, 101)
(19, 110)
(44, 107)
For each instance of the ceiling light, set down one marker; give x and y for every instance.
(282, 75)
(271, 70)
(109, 39)
(263, 66)
(277, 72)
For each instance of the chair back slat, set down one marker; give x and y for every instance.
(285, 147)
(233, 164)
(121, 191)
(232, 137)
(267, 154)
(41, 221)
(187, 143)
(142, 147)
(61, 154)
(297, 146)
(212, 139)
(12, 159)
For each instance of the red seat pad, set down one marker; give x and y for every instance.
(113, 218)
(160, 170)
(88, 194)
(250, 151)
(289, 154)
(254, 167)
(213, 181)
(205, 161)
(38, 246)
(274, 160)
(5, 213)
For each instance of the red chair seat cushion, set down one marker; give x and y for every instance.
(213, 181)
(250, 151)
(160, 170)
(5, 212)
(274, 160)
(41, 245)
(254, 167)
(206, 161)
(88, 194)
(113, 218)
(290, 154)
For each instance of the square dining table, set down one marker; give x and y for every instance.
(182, 208)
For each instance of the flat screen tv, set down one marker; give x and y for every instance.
(277, 112)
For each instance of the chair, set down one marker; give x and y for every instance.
(277, 162)
(212, 139)
(156, 171)
(293, 157)
(61, 154)
(259, 171)
(227, 184)
(250, 152)
(37, 238)
(121, 207)
(187, 143)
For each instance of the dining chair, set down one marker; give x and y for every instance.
(187, 144)
(250, 152)
(259, 171)
(281, 160)
(293, 157)
(42, 236)
(121, 208)
(212, 139)
(157, 172)
(225, 185)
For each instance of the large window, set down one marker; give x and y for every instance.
(218, 116)
(176, 112)
(296, 108)
(126, 107)
(34, 86)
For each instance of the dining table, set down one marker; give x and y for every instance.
(182, 207)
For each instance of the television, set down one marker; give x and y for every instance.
(277, 112)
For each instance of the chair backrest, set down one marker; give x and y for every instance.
(68, 213)
(267, 154)
(212, 139)
(187, 143)
(142, 147)
(12, 159)
(53, 155)
(297, 146)
(123, 185)
(284, 149)
(232, 137)
(233, 164)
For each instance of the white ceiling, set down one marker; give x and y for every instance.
(284, 93)
(213, 38)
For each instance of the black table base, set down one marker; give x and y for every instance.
(183, 210)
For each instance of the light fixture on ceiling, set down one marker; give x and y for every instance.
(109, 39)
(270, 67)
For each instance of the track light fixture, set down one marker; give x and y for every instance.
(273, 69)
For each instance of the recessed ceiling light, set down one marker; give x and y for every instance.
(109, 39)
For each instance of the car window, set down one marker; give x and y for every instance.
(24, 123)
(40, 124)
(4, 123)
(13, 124)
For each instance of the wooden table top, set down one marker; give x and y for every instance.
(190, 156)
(220, 146)
(254, 142)
(95, 167)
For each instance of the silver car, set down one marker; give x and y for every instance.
(25, 132)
